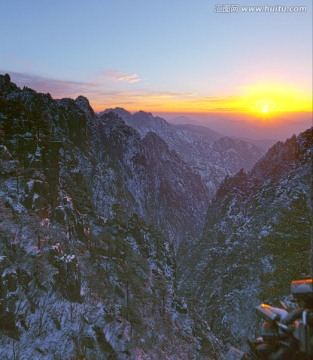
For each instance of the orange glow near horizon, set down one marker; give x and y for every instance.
(266, 99)
(273, 98)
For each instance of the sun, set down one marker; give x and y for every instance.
(265, 106)
(269, 99)
(265, 109)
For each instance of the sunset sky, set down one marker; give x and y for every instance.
(180, 56)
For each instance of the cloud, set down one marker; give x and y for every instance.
(57, 88)
(133, 78)
(122, 76)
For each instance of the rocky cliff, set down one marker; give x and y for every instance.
(87, 265)
(256, 240)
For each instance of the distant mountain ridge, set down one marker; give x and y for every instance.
(211, 155)
(252, 126)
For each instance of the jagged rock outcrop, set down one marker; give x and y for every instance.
(256, 240)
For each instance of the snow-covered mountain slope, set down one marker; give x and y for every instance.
(210, 154)
(256, 240)
(87, 270)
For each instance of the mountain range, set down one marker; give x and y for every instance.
(251, 125)
(209, 153)
(126, 237)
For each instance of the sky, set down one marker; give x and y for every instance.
(163, 56)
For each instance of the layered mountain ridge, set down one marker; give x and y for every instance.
(210, 154)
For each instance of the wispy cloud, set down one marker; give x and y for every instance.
(122, 76)
(101, 93)
(57, 88)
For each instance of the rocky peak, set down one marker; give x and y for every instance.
(153, 142)
(143, 118)
(198, 132)
(112, 117)
(117, 131)
(5, 80)
(142, 114)
(280, 158)
(83, 104)
(121, 112)
(145, 121)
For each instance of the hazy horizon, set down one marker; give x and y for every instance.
(247, 125)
